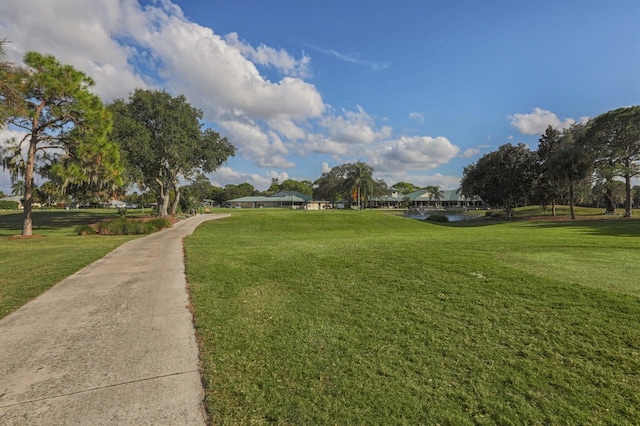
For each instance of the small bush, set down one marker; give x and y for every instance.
(85, 230)
(123, 226)
(158, 224)
(437, 218)
(8, 205)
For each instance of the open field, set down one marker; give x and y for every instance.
(31, 266)
(369, 318)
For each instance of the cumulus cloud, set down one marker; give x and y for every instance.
(355, 127)
(262, 146)
(270, 57)
(414, 153)
(123, 45)
(537, 122)
(468, 153)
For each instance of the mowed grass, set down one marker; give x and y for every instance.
(28, 267)
(369, 318)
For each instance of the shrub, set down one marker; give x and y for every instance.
(158, 224)
(123, 226)
(85, 230)
(8, 205)
(437, 218)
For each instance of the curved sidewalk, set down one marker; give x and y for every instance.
(112, 344)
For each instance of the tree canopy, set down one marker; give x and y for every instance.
(10, 97)
(615, 141)
(162, 140)
(502, 178)
(570, 163)
(406, 187)
(65, 129)
(352, 181)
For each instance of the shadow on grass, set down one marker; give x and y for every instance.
(620, 227)
(623, 227)
(11, 224)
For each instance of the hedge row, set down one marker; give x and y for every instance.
(123, 226)
(8, 205)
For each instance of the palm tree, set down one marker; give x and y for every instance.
(437, 194)
(17, 187)
(434, 193)
(359, 182)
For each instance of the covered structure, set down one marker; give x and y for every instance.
(451, 198)
(282, 199)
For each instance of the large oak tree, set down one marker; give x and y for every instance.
(162, 140)
(615, 138)
(502, 178)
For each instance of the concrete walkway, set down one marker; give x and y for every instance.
(113, 344)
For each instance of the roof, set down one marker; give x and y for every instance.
(16, 198)
(305, 197)
(270, 199)
(447, 195)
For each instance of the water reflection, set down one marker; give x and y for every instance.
(453, 217)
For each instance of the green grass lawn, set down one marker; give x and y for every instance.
(370, 318)
(31, 266)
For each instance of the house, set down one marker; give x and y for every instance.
(16, 199)
(114, 204)
(282, 199)
(450, 198)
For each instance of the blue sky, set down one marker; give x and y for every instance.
(417, 89)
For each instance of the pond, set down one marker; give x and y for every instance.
(453, 217)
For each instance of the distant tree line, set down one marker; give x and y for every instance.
(589, 164)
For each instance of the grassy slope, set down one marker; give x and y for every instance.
(31, 266)
(343, 317)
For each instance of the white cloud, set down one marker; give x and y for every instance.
(468, 153)
(416, 116)
(265, 148)
(318, 143)
(268, 56)
(537, 122)
(124, 46)
(354, 59)
(414, 153)
(355, 127)
(78, 32)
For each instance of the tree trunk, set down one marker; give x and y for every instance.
(163, 200)
(627, 193)
(571, 209)
(609, 204)
(553, 207)
(176, 199)
(27, 222)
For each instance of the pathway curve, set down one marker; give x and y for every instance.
(112, 344)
